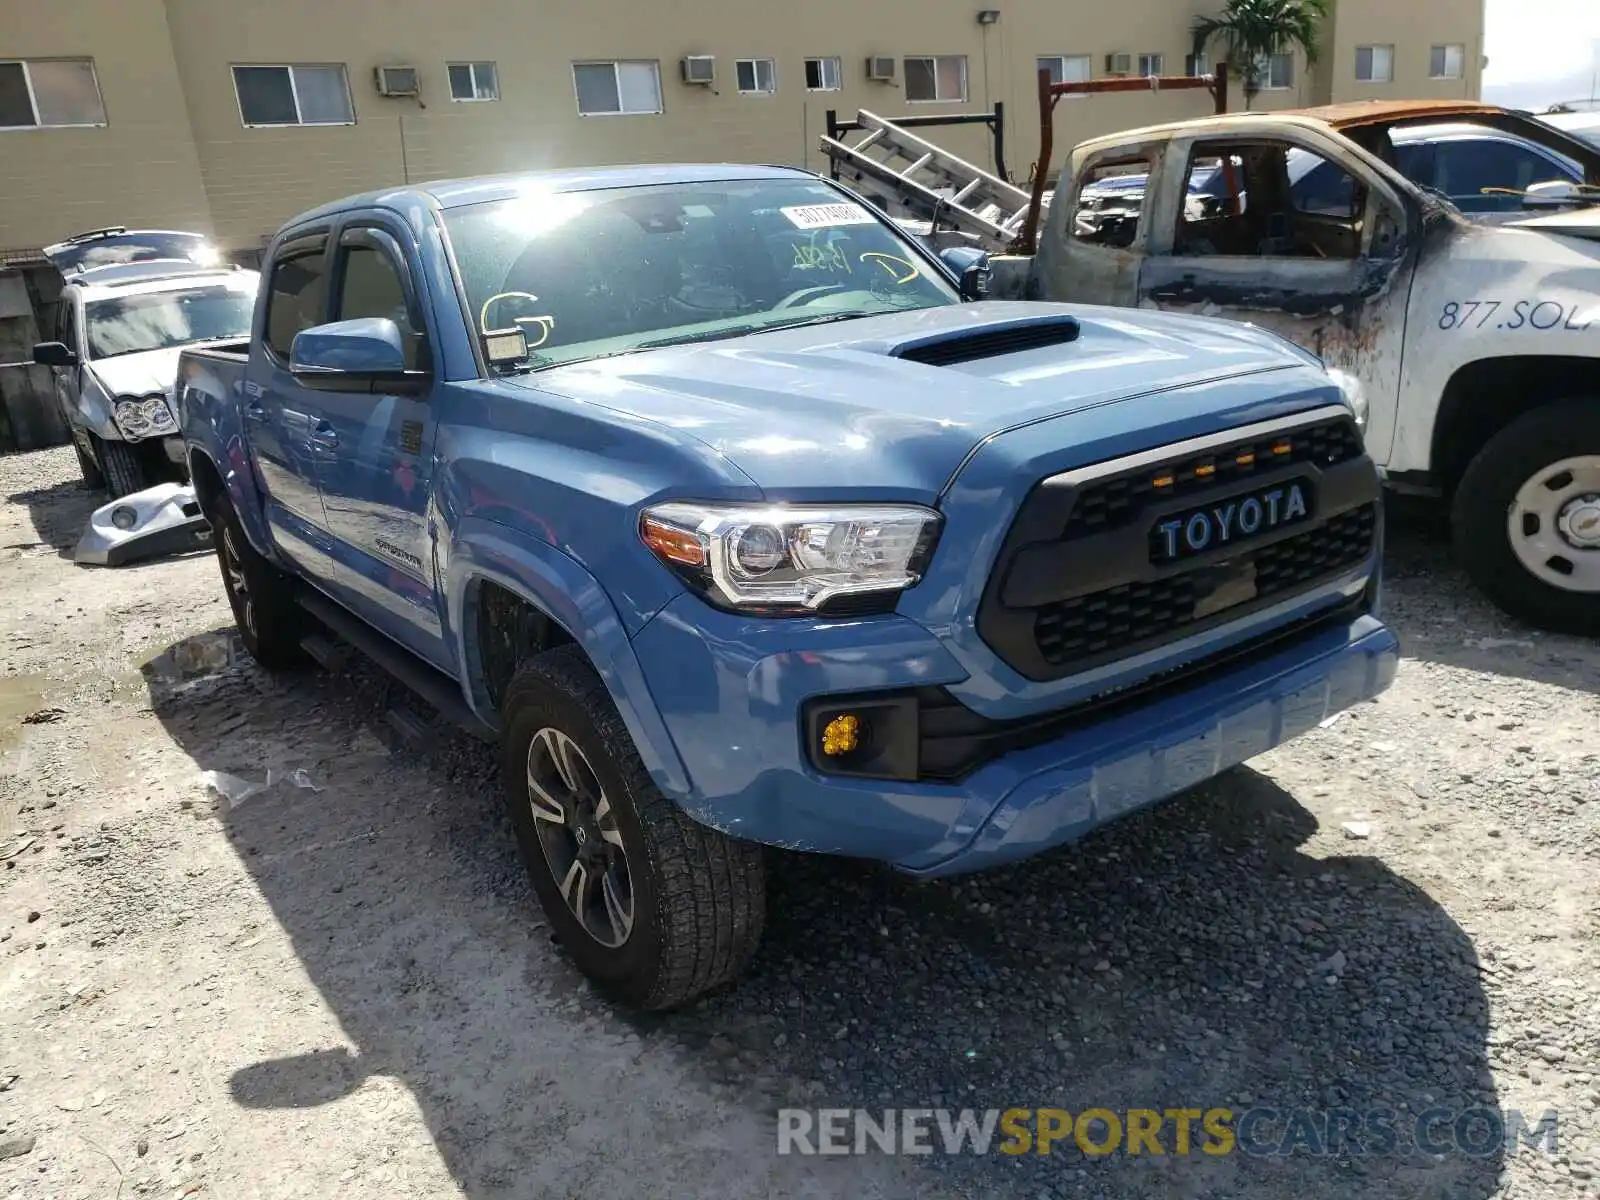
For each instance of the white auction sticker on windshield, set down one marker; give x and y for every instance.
(825, 216)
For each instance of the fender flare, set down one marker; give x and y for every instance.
(238, 480)
(559, 586)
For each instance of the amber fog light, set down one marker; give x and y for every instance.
(863, 737)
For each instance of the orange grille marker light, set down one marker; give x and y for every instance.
(1162, 481)
(1205, 470)
(1283, 448)
(1246, 458)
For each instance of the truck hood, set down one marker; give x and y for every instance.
(138, 374)
(815, 410)
(1581, 223)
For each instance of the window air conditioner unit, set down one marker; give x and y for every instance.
(397, 81)
(699, 69)
(880, 70)
(1119, 64)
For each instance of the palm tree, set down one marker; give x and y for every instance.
(1253, 29)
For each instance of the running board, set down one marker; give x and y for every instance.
(428, 682)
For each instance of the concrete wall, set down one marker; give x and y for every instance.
(176, 153)
(141, 168)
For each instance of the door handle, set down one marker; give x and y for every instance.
(254, 411)
(324, 436)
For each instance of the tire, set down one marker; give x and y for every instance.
(1522, 526)
(92, 478)
(121, 468)
(270, 623)
(688, 902)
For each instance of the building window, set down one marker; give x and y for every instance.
(1196, 65)
(936, 78)
(1067, 68)
(1374, 64)
(1151, 64)
(474, 81)
(51, 93)
(822, 74)
(1447, 62)
(756, 76)
(617, 88)
(302, 94)
(1274, 72)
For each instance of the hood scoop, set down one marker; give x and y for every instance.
(989, 341)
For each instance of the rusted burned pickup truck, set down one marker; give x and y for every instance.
(1477, 346)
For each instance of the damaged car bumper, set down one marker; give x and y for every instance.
(165, 519)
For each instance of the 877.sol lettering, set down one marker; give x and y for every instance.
(1538, 315)
(1225, 521)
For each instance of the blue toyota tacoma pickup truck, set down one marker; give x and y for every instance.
(737, 519)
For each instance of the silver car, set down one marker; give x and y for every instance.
(130, 303)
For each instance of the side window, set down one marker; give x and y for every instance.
(296, 298)
(1110, 201)
(1465, 168)
(371, 287)
(1269, 199)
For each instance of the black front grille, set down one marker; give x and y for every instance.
(1076, 585)
(992, 343)
(1124, 620)
(1115, 502)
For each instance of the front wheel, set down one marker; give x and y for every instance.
(652, 907)
(1526, 518)
(122, 468)
(88, 467)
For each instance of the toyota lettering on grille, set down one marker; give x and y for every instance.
(1223, 522)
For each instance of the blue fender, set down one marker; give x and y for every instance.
(560, 587)
(210, 399)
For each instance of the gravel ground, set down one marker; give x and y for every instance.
(349, 991)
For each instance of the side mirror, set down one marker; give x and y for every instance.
(970, 266)
(1552, 193)
(364, 355)
(54, 354)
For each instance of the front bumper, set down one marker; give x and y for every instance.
(731, 691)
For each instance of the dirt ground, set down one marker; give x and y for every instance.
(341, 985)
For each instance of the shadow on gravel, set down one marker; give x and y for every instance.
(58, 513)
(1194, 957)
(1441, 617)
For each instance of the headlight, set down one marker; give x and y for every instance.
(1355, 395)
(133, 418)
(159, 414)
(783, 559)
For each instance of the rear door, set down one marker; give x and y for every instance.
(377, 477)
(279, 414)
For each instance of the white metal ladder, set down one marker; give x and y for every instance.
(926, 180)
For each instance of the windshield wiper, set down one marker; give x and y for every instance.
(711, 335)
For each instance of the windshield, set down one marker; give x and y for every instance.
(160, 320)
(586, 274)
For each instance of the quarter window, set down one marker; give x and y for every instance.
(297, 300)
(300, 94)
(50, 93)
(474, 81)
(617, 88)
(936, 78)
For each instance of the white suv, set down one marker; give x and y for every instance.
(130, 303)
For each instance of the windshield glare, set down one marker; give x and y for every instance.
(586, 274)
(161, 320)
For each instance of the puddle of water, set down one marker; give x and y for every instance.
(19, 696)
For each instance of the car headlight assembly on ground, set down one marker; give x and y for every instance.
(781, 559)
(144, 416)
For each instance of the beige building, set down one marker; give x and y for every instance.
(230, 115)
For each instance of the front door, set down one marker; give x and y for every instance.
(1288, 237)
(280, 416)
(378, 478)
